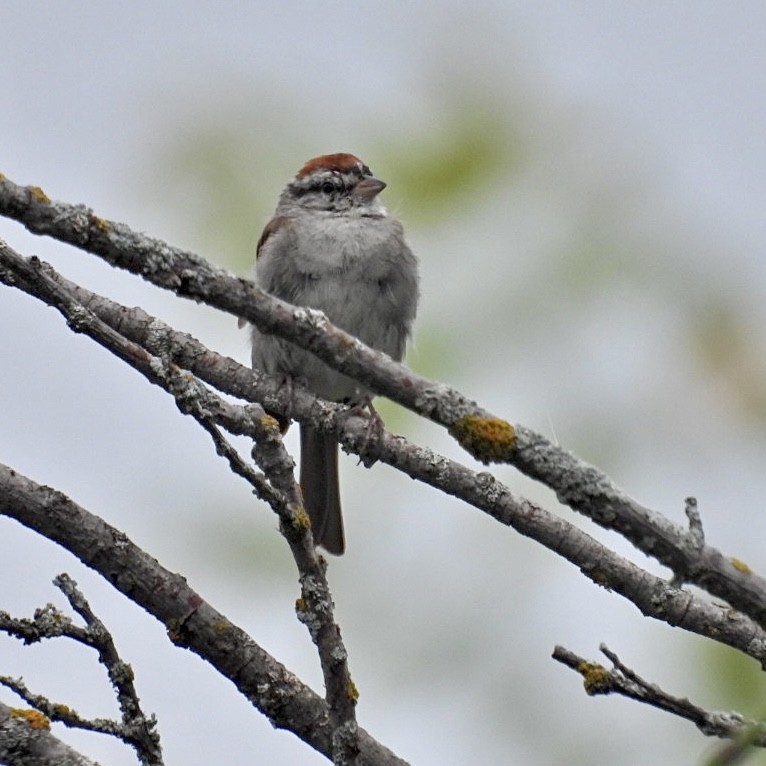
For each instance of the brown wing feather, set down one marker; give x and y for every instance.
(273, 226)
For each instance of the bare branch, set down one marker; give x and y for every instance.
(191, 622)
(135, 729)
(315, 607)
(56, 711)
(653, 596)
(487, 437)
(622, 680)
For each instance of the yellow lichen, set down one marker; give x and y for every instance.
(99, 223)
(269, 421)
(301, 518)
(34, 718)
(595, 678)
(352, 692)
(740, 566)
(300, 605)
(38, 195)
(489, 440)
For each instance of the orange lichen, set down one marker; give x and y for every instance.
(489, 440)
(34, 718)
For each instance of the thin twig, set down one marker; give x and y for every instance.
(626, 682)
(135, 729)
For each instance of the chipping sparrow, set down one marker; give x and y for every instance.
(332, 246)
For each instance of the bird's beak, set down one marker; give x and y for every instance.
(368, 188)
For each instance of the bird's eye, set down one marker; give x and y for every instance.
(328, 187)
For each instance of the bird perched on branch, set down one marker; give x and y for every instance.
(332, 246)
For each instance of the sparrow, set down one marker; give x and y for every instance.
(332, 246)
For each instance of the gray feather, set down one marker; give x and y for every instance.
(319, 485)
(353, 263)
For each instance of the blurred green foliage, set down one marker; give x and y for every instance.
(739, 684)
(214, 176)
(224, 175)
(729, 350)
(432, 174)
